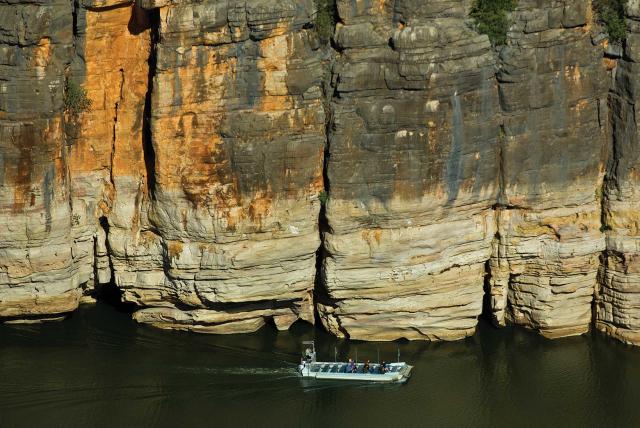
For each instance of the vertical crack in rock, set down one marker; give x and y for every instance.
(147, 137)
(115, 128)
(324, 302)
(74, 13)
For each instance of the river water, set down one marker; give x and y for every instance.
(99, 368)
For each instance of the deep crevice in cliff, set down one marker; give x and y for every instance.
(109, 292)
(74, 14)
(328, 92)
(486, 296)
(147, 141)
(114, 136)
(609, 183)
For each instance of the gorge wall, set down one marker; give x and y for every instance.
(234, 169)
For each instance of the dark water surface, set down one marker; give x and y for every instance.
(99, 368)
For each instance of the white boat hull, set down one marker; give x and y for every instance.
(397, 372)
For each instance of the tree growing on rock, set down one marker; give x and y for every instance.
(492, 19)
(75, 98)
(611, 15)
(325, 21)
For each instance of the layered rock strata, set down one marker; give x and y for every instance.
(237, 130)
(107, 160)
(195, 181)
(39, 272)
(553, 92)
(412, 172)
(618, 298)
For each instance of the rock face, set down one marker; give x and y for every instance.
(412, 172)
(39, 274)
(107, 162)
(237, 130)
(618, 298)
(233, 170)
(553, 93)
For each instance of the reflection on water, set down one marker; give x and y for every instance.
(101, 369)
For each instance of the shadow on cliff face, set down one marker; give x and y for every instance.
(109, 292)
(141, 19)
(486, 314)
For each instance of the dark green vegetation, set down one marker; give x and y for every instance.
(325, 19)
(611, 14)
(100, 369)
(492, 18)
(323, 196)
(75, 98)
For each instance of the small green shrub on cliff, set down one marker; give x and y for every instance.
(325, 18)
(75, 98)
(492, 19)
(611, 14)
(323, 196)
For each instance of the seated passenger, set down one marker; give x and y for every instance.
(365, 369)
(383, 367)
(351, 366)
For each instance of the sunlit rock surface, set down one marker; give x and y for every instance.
(39, 271)
(237, 129)
(553, 92)
(618, 298)
(412, 172)
(456, 177)
(107, 163)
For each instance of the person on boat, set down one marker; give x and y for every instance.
(351, 366)
(365, 369)
(383, 367)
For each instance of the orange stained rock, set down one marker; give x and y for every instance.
(371, 7)
(174, 248)
(194, 159)
(581, 105)
(610, 63)
(317, 184)
(188, 145)
(260, 207)
(273, 66)
(42, 57)
(110, 134)
(38, 150)
(369, 234)
(572, 72)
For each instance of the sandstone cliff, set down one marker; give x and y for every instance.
(553, 92)
(39, 273)
(237, 130)
(618, 296)
(412, 172)
(233, 169)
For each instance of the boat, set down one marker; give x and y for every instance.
(309, 367)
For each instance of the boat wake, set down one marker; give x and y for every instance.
(245, 371)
